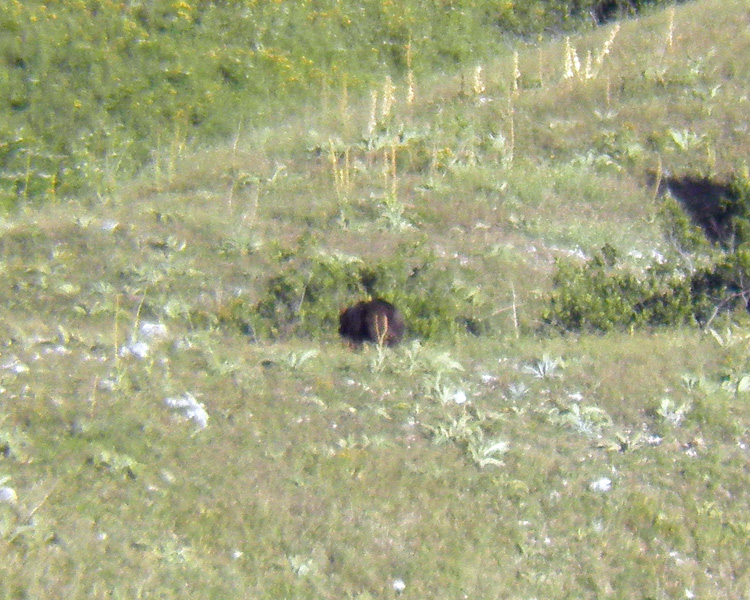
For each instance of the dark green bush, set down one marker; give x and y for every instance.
(305, 295)
(705, 280)
(600, 295)
(722, 286)
(596, 296)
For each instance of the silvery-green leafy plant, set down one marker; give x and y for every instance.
(673, 413)
(545, 367)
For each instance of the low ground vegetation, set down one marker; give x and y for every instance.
(708, 225)
(179, 417)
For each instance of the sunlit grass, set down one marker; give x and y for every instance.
(156, 440)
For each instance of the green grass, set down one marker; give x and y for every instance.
(94, 90)
(578, 466)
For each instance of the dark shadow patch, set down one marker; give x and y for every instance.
(606, 11)
(712, 205)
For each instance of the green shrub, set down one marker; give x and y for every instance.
(600, 295)
(702, 282)
(679, 229)
(305, 295)
(722, 286)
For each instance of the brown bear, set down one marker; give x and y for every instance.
(375, 321)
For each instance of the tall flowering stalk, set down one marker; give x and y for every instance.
(477, 85)
(607, 47)
(516, 71)
(389, 98)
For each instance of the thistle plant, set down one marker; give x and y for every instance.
(447, 393)
(518, 391)
(413, 356)
(685, 139)
(440, 364)
(488, 453)
(545, 367)
(671, 412)
(457, 430)
(296, 359)
(466, 433)
(392, 215)
(588, 420)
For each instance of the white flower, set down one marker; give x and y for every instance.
(137, 349)
(109, 225)
(153, 330)
(107, 384)
(16, 366)
(459, 397)
(19, 368)
(399, 585)
(192, 409)
(603, 484)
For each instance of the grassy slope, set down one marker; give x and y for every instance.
(92, 91)
(330, 473)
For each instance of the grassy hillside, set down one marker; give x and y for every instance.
(179, 419)
(91, 91)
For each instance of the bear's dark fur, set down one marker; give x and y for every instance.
(375, 321)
